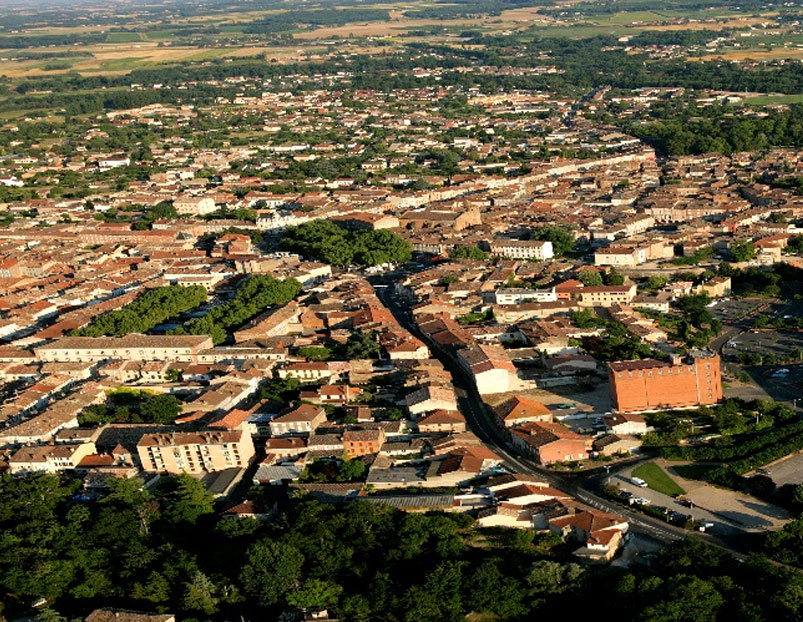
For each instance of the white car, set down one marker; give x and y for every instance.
(640, 501)
(637, 481)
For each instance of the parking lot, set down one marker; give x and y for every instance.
(786, 471)
(783, 345)
(732, 310)
(730, 511)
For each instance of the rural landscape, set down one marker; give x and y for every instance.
(420, 311)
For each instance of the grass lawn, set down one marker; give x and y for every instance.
(657, 479)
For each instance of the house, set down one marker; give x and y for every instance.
(518, 410)
(49, 458)
(442, 421)
(518, 295)
(613, 445)
(550, 442)
(625, 423)
(490, 365)
(119, 615)
(303, 419)
(599, 533)
(132, 347)
(306, 371)
(607, 295)
(522, 249)
(194, 206)
(429, 398)
(363, 442)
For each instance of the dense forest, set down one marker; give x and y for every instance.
(169, 550)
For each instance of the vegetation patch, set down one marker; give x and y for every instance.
(657, 479)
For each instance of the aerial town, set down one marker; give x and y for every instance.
(251, 319)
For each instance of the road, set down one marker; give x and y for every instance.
(479, 421)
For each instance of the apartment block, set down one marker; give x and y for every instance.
(203, 451)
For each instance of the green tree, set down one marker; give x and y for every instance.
(315, 353)
(200, 595)
(315, 593)
(362, 346)
(271, 570)
(742, 250)
(160, 409)
(183, 498)
(612, 277)
(468, 252)
(590, 278)
(562, 240)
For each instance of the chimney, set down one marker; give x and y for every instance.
(676, 359)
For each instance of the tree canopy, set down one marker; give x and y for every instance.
(326, 241)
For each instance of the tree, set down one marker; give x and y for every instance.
(590, 278)
(468, 252)
(742, 251)
(489, 590)
(184, 499)
(160, 409)
(655, 283)
(326, 241)
(362, 346)
(316, 593)
(200, 595)
(546, 576)
(315, 353)
(685, 599)
(585, 318)
(612, 277)
(562, 240)
(271, 570)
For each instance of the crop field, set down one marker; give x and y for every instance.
(147, 43)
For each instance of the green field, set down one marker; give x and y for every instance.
(657, 479)
(764, 100)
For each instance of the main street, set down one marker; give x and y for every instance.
(479, 421)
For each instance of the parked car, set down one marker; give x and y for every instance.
(678, 517)
(640, 501)
(705, 525)
(637, 481)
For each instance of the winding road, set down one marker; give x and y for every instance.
(481, 424)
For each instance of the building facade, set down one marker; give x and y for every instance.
(653, 385)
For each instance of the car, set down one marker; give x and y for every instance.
(637, 481)
(705, 525)
(640, 501)
(626, 494)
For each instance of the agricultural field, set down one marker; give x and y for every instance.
(148, 40)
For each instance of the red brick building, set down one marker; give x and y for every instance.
(654, 385)
(362, 442)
